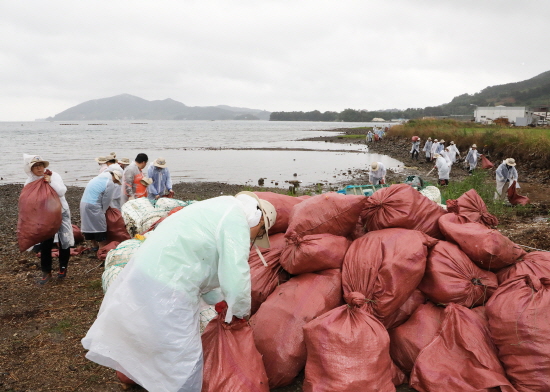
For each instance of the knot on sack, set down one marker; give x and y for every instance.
(293, 238)
(355, 299)
(477, 282)
(533, 282)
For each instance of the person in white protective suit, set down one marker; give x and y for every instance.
(428, 149)
(415, 149)
(377, 173)
(506, 174)
(472, 157)
(443, 169)
(435, 146)
(446, 153)
(148, 324)
(453, 152)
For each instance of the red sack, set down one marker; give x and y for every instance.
(283, 205)
(534, 263)
(402, 206)
(519, 322)
(376, 137)
(514, 198)
(278, 323)
(471, 206)
(39, 214)
(116, 228)
(486, 247)
(231, 361)
(347, 351)
(391, 263)
(408, 340)
(451, 277)
(265, 279)
(405, 311)
(313, 253)
(485, 163)
(414, 138)
(102, 252)
(77, 234)
(331, 213)
(460, 358)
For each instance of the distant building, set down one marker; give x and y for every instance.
(518, 115)
(378, 119)
(544, 113)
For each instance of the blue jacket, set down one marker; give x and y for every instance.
(162, 182)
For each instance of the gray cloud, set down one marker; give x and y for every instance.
(273, 55)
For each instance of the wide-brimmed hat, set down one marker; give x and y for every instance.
(160, 162)
(510, 161)
(429, 138)
(474, 146)
(117, 174)
(374, 166)
(110, 158)
(269, 214)
(436, 155)
(146, 181)
(37, 159)
(442, 141)
(435, 140)
(124, 161)
(101, 159)
(113, 154)
(452, 142)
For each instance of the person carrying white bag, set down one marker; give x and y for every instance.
(148, 324)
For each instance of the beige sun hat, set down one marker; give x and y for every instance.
(436, 155)
(38, 159)
(146, 181)
(110, 158)
(435, 140)
(117, 174)
(124, 161)
(429, 138)
(474, 146)
(269, 214)
(101, 159)
(160, 162)
(113, 154)
(452, 142)
(374, 166)
(442, 141)
(510, 161)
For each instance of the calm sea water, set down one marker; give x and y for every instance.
(234, 152)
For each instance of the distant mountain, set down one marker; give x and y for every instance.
(130, 107)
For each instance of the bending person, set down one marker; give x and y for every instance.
(162, 182)
(377, 173)
(148, 324)
(443, 169)
(95, 201)
(506, 174)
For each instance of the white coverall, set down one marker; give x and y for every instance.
(453, 152)
(443, 168)
(148, 324)
(428, 148)
(505, 175)
(472, 158)
(375, 176)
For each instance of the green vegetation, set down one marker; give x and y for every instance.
(485, 187)
(351, 136)
(94, 284)
(498, 142)
(61, 327)
(532, 92)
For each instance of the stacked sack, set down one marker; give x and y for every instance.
(364, 294)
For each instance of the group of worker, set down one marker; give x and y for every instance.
(117, 182)
(376, 134)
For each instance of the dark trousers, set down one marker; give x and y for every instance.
(46, 256)
(414, 155)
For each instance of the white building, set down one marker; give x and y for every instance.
(519, 115)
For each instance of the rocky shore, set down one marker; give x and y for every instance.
(41, 329)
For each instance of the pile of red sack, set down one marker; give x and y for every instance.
(366, 293)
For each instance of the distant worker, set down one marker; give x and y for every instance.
(446, 153)
(377, 173)
(506, 174)
(370, 135)
(441, 147)
(435, 146)
(453, 152)
(472, 158)
(95, 201)
(415, 150)
(132, 187)
(443, 169)
(162, 182)
(428, 149)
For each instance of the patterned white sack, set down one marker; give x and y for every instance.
(116, 260)
(432, 193)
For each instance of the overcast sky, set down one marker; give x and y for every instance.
(273, 55)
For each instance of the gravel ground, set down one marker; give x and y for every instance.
(40, 346)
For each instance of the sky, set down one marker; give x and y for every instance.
(274, 55)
